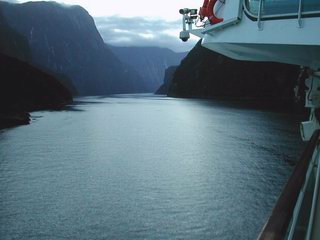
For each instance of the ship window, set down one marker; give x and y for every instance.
(281, 7)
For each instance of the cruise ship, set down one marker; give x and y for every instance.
(286, 31)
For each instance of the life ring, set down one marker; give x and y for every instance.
(207, 10)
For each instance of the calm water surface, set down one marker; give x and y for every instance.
(144, 167)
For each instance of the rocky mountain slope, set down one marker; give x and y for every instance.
(168, 76)
(204, 73)
(12, 43)
(24, 88)
(64, 40)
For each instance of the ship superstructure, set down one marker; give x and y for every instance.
(286, 31)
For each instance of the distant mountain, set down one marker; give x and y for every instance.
(149, 62)
(64, 40)
(204, 73)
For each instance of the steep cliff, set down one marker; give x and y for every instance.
(24, 88)
(65, 40)
(168, 76)
(149, 62)
(12, 43)
(204, 73)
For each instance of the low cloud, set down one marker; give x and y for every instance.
(139, 31)
(12, 1)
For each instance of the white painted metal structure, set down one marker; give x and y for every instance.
(247, 33)
(286, 31)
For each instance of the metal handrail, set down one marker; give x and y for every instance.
(314, 203)
(277, 224)
(279, 16)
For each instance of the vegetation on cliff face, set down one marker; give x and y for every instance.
(24, 88)
(168, 76)
(16, 45)
(204, 73)
(12, 43)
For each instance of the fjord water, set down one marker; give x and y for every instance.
(144, 167)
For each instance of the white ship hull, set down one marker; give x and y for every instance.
(308, 56)
(277, 40)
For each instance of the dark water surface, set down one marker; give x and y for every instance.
(144, 167)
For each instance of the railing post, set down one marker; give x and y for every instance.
(259, 15)
(300, 14)
(315, 199)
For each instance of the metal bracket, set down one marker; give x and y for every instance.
(313, 102)
(307, 128)
(313, 92)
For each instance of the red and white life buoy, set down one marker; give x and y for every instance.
(207, 10)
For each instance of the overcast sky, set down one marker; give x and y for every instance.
(138, 22)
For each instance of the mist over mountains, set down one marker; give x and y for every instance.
(150, 62)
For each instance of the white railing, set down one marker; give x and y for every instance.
(298, 13)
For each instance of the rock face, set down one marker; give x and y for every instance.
(24, 88)
(204, 73)
(149, 62)
(12, 43)
(64, 40)
(164, 88)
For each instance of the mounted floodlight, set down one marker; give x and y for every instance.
(184, 35)
(192, 12)
(184, 11)
(188, 15)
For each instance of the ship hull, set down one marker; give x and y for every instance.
(280, 40)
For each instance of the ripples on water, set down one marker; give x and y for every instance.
(142, 167)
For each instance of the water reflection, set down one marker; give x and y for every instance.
(143, 167)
